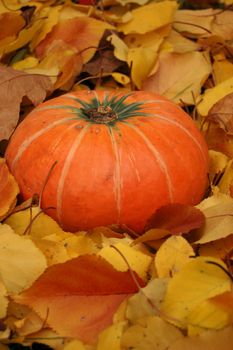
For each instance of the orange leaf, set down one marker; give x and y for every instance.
(8, 189)
(176, 218)
(82, 33)
(85, 292)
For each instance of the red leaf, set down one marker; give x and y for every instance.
(176, 218)
(79, 297)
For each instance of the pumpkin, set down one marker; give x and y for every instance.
(119, 157)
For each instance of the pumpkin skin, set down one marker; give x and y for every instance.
(119, 157)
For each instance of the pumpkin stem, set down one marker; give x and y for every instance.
(101, 114)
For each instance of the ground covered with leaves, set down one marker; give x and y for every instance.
(108, 288)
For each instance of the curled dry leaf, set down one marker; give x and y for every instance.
(14, 85)
(85, 291)
(8, 190)
(222, 113)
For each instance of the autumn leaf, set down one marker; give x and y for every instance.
(219, 220)
(157, 15)
(21, 262)
(86, 291)
(82, 33)
(222, 113)
(14, 85)
(173, 254)
(179, 77)
(8, 190)
(204, 278)
(207, 340)
(143, 336)
(176, 218)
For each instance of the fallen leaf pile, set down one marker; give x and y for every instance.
(108, 288)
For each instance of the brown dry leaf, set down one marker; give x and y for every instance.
(218, 249)
(14, 85)
(222, 113)
(9, 190)
(194, 22)
(179, 77)
(218, 140)
(207, 340)
(223, 25)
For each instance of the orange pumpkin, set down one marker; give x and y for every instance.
(120, 156)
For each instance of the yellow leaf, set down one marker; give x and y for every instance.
(21, 262)
(51, 17)
(26, 64)
(110, 338)
(120, 48)
(9, 190)
(207, 316)
(173, 254)
(141, 60)
(121, 78)
(179, 44)
(207, 340)
(222, 69)
(151, 333)
(225, 183)
(138, 261)
(42, 226)
(213, 95)
(55, 252)
(198, 280)
(3, 301)
(151, 39)
(138, 2)
(219, 220)
(218, 162)
(179, 77)
(149, 17)
(75, 345)
(24, 37)
(30, 324)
